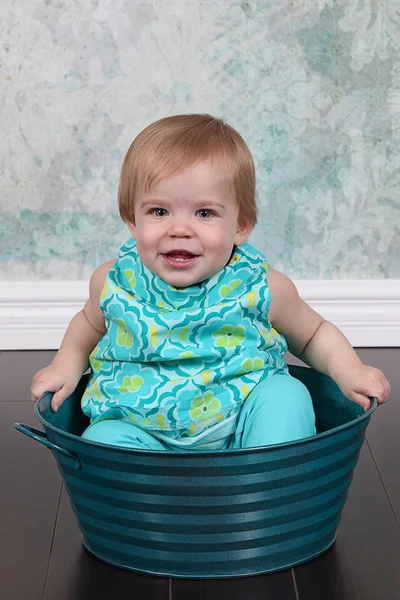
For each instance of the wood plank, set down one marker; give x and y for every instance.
(383, 430)
(76, 574)
(17, 369)
(260, 587)
(364, 564)
(30, 488)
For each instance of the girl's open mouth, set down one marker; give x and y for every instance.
(180, 260)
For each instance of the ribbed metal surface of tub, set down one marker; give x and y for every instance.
(212, 514)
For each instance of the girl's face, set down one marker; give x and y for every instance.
(186, 226)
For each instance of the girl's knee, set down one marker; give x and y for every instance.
(283, 391)
(279, 409)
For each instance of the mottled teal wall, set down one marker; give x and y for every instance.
(312, 85)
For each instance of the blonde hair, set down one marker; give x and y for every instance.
(172, 145)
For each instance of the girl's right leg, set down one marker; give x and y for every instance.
(115, 428)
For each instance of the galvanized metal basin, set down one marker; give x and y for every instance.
(209, 514)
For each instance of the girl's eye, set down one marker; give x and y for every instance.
(157, 211)
(205, 213)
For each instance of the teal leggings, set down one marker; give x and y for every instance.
(279, 409)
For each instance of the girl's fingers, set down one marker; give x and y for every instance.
(57, 400)
(377, 389)
(38, 390)
(59, 397)
(360, 399)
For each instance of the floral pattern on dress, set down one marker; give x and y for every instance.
(183, 368)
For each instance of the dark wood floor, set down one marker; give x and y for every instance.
(41, 556)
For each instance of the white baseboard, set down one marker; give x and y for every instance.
(34, 315)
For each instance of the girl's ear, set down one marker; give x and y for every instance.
(242, 231)
(132, 229)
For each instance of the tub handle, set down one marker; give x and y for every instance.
(41, 437)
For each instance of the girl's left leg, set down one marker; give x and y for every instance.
(279, 409)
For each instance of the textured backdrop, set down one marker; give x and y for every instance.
(312, 85)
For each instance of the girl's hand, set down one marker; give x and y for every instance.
(360, 382)
(54, 379)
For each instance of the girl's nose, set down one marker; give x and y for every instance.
(180, 229)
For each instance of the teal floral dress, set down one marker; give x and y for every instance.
(179, 360)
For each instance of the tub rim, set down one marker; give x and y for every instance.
(46, 398)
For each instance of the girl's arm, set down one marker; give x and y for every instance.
(83, 334)
(321, 345)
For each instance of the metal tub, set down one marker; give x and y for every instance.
(209, 514)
